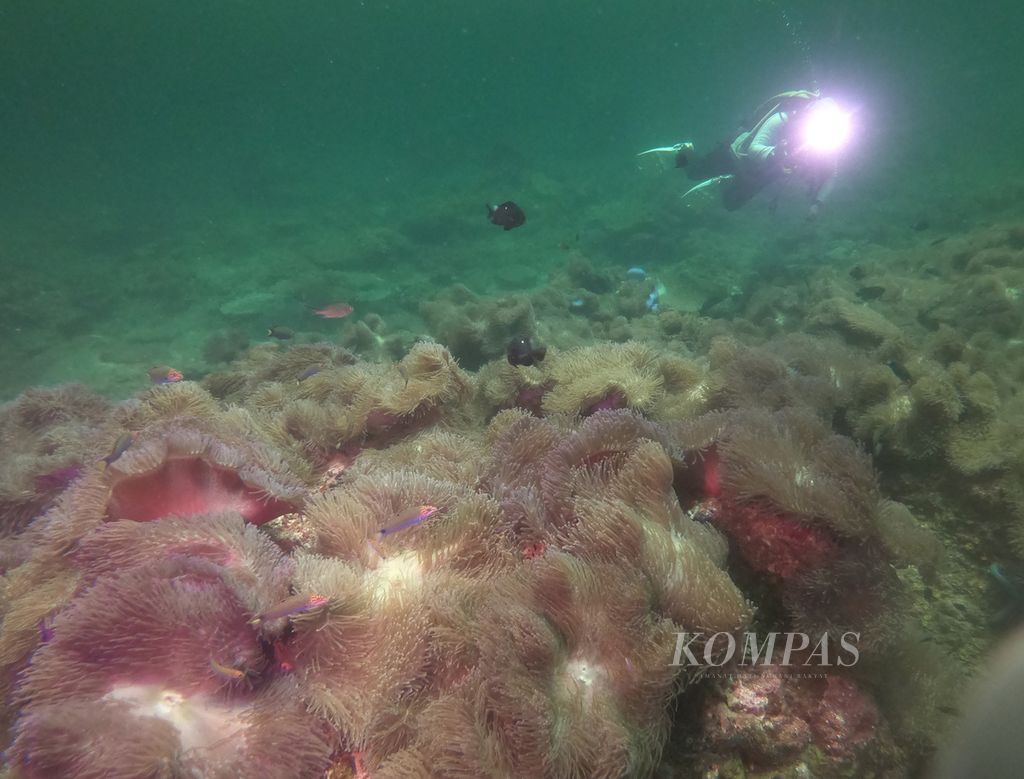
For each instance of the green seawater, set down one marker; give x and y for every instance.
(172, 173)
(178, 177)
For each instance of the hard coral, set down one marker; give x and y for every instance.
(773, 716)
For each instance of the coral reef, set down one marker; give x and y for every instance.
(780, 721)
(372, 339)
(488, 624)
(318, 403)
(586, 380)
(802, 510)
(476, 329)
(313, 563)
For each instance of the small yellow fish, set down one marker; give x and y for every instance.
(227, 673)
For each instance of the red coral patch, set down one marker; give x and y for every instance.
(774, 542)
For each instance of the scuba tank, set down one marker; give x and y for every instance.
(782, 102)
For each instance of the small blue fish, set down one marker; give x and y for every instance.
(653, 301)
(407, 519)
(296, 604)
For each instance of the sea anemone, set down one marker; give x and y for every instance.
(580, 678)
(633, 518)
(438, 453)
(601, 443)
(430, 379)
(270, 363)
(775, 543)
(335, 404)
(48, 436)
(166, 645)
(477, 329)
(517, 444)
(250, 563)
(794, 372)
(795, 463)
(859, 324)
(603, 378)
(463, 533)
(503, 386)
(179, 471)
(362, 659)
(859, 593)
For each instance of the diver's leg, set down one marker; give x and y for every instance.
(740, 189)
(717, 162)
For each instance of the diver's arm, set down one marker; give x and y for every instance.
(822, 189)
(824, 185)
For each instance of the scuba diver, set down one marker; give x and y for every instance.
(796, 133)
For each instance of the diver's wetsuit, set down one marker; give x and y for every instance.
(752, 162)
(721, 161)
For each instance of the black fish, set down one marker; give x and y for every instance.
(507, 215)
(121, 445)
(900, 370)
(521, 351)
(871, 292)
(281, 333)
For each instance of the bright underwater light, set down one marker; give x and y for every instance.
(826, 127)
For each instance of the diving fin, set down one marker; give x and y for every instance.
(707, 183)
